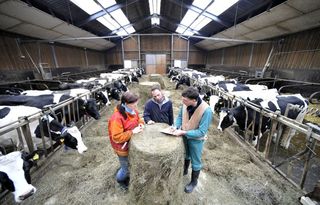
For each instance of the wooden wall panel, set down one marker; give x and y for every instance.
(156, 43)
(131, 44)
(180, 55)
(231, 58)
(43, 53)
(95, 59)
(70, 57)
(179, 44)
(131, 55)
(244, 53)
(196, 58)
(296, 51)
(215, 57)
(260, 55)
(114, 56)
(10, 58)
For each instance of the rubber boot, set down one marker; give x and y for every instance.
(125, 183)
(194, 181)
(186, 166)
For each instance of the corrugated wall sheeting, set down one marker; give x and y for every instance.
(215, 57)
(230, 56)
(243, 57)
(296, 51)
(95, 59)
(299, 51)
(12, 53)
(260, 55)
(70, 57)
(114, 56)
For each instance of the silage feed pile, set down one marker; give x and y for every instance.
(229, 174)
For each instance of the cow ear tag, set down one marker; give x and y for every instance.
(35, 157)
(62, 141)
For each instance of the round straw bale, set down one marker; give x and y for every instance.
(156, 162)
(157, 78)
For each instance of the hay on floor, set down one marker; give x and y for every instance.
(157, 78)
(156, 162)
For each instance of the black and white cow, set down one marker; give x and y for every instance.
(229, 87)
(101, 96)
(120, 85)
(183, 80)
(69, 134)
(210, 80)
(237, 115)
(218, 102)
(84, 107)
(15, 174)
(10, 91)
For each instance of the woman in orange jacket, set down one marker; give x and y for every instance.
(123, 123)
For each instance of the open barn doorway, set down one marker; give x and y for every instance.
(155, 63)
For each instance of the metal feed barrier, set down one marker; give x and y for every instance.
(270, 153)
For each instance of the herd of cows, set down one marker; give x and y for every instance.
(232, 112)
(86, 96)
(83, 97)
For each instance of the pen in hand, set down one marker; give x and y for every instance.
(123, 146)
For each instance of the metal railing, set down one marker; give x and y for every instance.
(311, 133)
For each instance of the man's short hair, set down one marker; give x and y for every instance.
(155, 87)
(191, 93)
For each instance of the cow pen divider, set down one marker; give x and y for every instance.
(22, 124)
(311, 132)
(277, 118)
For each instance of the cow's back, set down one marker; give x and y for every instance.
(31, 101)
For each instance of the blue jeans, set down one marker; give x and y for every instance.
(123, 172)
(194, 152)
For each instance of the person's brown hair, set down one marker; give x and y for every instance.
(155, 87)
(126, 98)
(191, 93)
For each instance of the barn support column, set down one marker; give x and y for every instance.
(55, 61)
(156, 167)
(139, 48)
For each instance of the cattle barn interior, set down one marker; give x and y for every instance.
(64, 65)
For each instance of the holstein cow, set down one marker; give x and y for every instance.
(100, 95)
(85, 107)
(229, 87)
(218, 102)
(70, 135)
(10, 91)
(211, 80)
(280, 103)
(237, 115)
(15, 174)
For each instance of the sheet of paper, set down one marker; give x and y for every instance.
(167, 131)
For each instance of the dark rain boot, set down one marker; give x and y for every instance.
(124, 184)
(186, 166)
(194, 181)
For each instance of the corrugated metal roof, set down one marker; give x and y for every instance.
(246, 16)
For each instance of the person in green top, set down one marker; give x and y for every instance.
(192, 124)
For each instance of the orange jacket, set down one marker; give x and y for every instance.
(120, 131)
